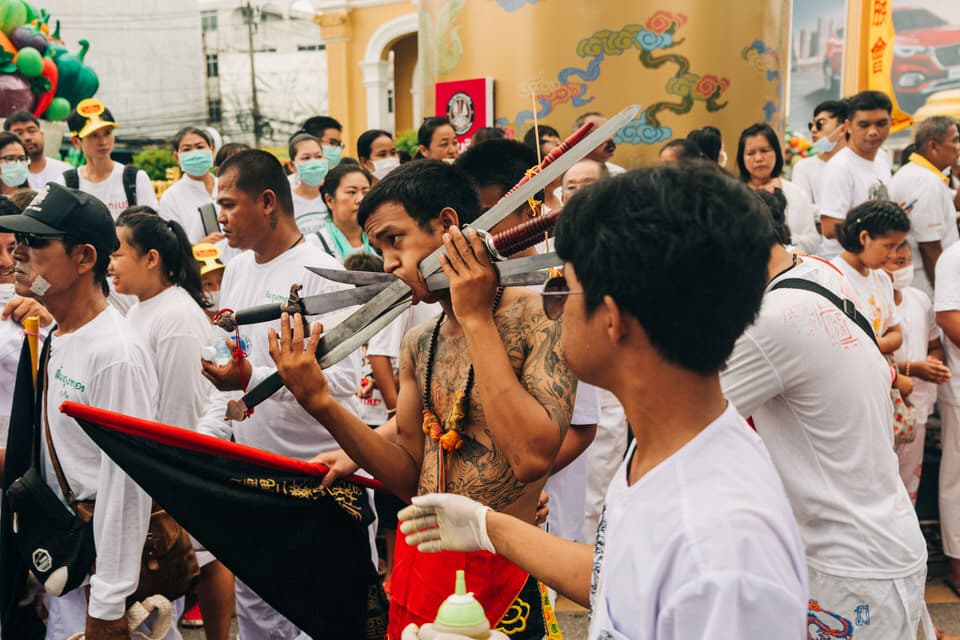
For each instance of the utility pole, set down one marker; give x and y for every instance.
(248, 12)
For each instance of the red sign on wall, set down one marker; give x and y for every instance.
(468, 104)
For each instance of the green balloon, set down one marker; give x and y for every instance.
(32, 13)
(16, 16)
(59, 109)
(29, 62)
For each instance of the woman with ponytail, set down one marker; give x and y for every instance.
(870, 236)
(155, 263)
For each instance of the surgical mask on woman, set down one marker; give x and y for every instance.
(196, 162)
(313, 171)
(13, 174)
(383, 166)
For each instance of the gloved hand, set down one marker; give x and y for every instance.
(446, 522)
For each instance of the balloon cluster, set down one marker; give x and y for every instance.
(37, 73)
(800, 146)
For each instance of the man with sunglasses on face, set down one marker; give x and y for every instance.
(697, 539)
(64, 241)
(826, 129)
(484, 402)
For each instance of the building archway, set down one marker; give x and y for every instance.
(386, 64)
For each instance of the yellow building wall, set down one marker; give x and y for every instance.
(690, 63)
(346, 34)
(405, 57)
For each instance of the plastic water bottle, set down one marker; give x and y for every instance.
(220, 354)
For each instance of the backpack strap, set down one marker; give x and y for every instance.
(326, 246)
(130, 183)
(845, 305)
(71, 179)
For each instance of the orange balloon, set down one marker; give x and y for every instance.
(6, 44)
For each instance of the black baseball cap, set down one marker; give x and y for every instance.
(57, 210)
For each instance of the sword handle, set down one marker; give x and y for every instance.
(526, 235)
(262, 313)
(237, 410)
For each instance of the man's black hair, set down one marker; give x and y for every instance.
(836, 108)
(533, 138)
(684, 250)
(709, 140)
(258, 171)
(765, 130)
(424, 188)
(868, 101)
(686, 150)
(17, 117)
(497, 162)
(316, 125)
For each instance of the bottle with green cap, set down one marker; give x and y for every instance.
(462, 615)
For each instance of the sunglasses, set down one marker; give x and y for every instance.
(35, 241)
(817, 124)
(554, 296)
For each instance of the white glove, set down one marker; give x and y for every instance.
(446, 522)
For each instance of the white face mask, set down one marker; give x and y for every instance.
(722, 158)
(902, 278)
(383, 166)
(214, 298)
(7, 291)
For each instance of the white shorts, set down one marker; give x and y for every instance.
(848, 608)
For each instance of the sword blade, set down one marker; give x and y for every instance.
(327, 302)
(512, 273)
(352, 277)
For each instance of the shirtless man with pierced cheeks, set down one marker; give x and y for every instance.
(520, 401)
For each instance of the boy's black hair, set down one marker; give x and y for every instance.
(423, 189)
(497, 162)
(228, 150)
(680, 249)
(530, 138)
(868, 101)
(765, 130)
(686, 149)
(876, 217)
(777, 204)
(258, 171)
(836, 108)
(316, 125)
(17, 117)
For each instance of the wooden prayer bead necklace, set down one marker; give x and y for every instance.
(447, 436)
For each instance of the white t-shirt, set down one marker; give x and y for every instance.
(947, 298)
(873, 294)
(703, 546)
(181, 202)
(311, 215)
(806, 175)
(175, 328)
(849, 180)
(801, 217)
(104, 364)
(110, 192)
(279, 424)
(933, 217)
(818, 390)
(52, 170)
(919, 326)
(11, 342)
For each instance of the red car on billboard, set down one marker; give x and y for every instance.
(926, 57)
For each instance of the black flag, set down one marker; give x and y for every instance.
(304, 549)
(16, 622)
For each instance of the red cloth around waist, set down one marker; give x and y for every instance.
(420, 582)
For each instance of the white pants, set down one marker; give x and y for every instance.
(950, 479)
(910, 456)
(68, 615)
(889, 609)
(568, 495)
(604, 456)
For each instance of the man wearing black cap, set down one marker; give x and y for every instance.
(64, 241)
